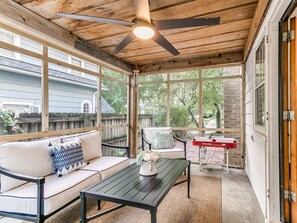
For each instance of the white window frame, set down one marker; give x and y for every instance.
(82, 62)
(259, 128)
(90, 106)
(16, 42)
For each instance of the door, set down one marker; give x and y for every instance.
(290, 123)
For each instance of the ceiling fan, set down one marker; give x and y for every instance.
(145, 28)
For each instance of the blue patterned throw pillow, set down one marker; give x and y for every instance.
(67, 157)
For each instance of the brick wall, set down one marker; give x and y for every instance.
(232, 112)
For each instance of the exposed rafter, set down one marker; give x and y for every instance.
(16, 13)
(258, 18)
(212, 60)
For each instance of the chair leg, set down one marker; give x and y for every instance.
(98, 205)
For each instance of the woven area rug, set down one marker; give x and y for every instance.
(204, 206)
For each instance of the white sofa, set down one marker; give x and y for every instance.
(30, 189)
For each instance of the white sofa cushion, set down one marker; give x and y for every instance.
(29, 158)
(148, 132)
(107, 165)
(90, 141)
(174, 153)
(67, 157)
(57, 192)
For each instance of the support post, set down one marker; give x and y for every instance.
(133, 112)
(45, 91)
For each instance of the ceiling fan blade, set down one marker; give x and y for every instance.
(96, 19)
(186, 22)
(128, 39)
(163, 42)
(142, 8)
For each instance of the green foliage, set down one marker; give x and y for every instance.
(116, 95)
(152, 97)
(184, 97)
(179, 117)
(8, 118)
(212, 94)
(9, 122)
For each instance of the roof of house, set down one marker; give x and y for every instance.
(37, 69)
(16, 64)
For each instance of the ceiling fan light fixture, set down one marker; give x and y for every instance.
(144, 32)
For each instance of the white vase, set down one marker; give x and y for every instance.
(148, 169)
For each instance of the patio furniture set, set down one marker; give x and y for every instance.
(41, 177)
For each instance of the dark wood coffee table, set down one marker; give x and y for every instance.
(128, 187)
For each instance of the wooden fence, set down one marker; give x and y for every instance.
(62, 121)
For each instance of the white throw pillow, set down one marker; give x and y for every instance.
(162, 140)
(91, 145)
(148, 132)
(29, 158)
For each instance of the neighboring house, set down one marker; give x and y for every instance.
(70, 91)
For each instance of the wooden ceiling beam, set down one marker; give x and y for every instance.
(49, 8)
(259, 16)
(187, 10)
(203, 54)
(15, 13)
(23, 1)
(123, 9)
(215, 39)
(186, 51)
(222, 59)
(241, 20)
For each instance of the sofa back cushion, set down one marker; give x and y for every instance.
(148, 133)
(90, 143)
(30, 158)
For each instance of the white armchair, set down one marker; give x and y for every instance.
(161, 139)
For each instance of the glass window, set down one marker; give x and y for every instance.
(77, 63)
(260, 85)
(20, 41)
(7, 38)
(86, 107)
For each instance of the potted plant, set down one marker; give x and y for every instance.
(147, 160)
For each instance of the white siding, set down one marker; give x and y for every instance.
(255, 144)
(262, 149)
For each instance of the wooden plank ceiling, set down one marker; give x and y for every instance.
(220, 44)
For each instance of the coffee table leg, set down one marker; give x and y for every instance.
(83, 208)
(189, 178)
(154, 216)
